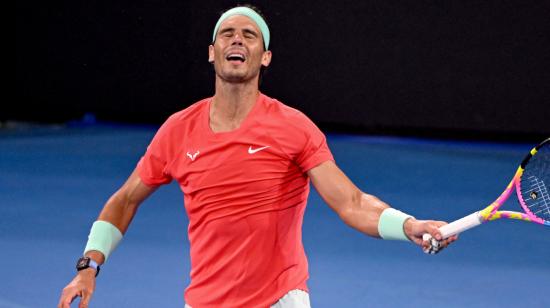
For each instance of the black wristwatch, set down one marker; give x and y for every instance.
(86, 262)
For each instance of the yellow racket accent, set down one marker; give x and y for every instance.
(491, 212)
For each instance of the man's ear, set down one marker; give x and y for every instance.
(210, 53)
(266, 58)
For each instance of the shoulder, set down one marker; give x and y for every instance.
(282, 112)
(283, 122)
(177, 128)
(190, 113)
(184, 119)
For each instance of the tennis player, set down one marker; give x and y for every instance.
(244, 162)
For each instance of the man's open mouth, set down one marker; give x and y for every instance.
(235, 57)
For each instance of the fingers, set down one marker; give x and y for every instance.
(438, 223)
(86, 296)
(69, 295)
(67, 298)
(430, 245)
(83, 285)
(426, 234)
(433, 241)
(418, 241)
(432, 227)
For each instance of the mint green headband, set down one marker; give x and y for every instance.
(250, 13)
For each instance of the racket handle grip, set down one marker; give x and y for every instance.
(461, 225)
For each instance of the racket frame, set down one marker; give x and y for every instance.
(491, 212)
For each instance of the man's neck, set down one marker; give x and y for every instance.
(231, 104)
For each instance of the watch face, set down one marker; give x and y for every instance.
(83, 263)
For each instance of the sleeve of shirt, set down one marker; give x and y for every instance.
(153, 165)
(315, 149)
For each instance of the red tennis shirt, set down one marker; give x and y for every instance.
(245, 193)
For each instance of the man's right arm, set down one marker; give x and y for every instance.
(119, 211)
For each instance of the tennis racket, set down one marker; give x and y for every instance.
(531, 183)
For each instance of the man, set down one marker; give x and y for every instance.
(243, 161)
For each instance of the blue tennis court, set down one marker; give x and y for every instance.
(55, 180)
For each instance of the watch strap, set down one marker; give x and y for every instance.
(87, 262)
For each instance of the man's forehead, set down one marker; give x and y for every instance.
(239, 21)
(243, 18)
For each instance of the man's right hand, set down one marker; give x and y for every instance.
(119, 210)
(83, 285)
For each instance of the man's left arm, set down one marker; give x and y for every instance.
(362, 211)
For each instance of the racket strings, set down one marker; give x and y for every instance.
(539, 192)
(534, 184)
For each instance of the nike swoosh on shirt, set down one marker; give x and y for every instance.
(252, 151)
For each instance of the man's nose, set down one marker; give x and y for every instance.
(237, 40)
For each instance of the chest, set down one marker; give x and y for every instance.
(236, 163)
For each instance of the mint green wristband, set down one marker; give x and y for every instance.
(104, 237)
(390, 225)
